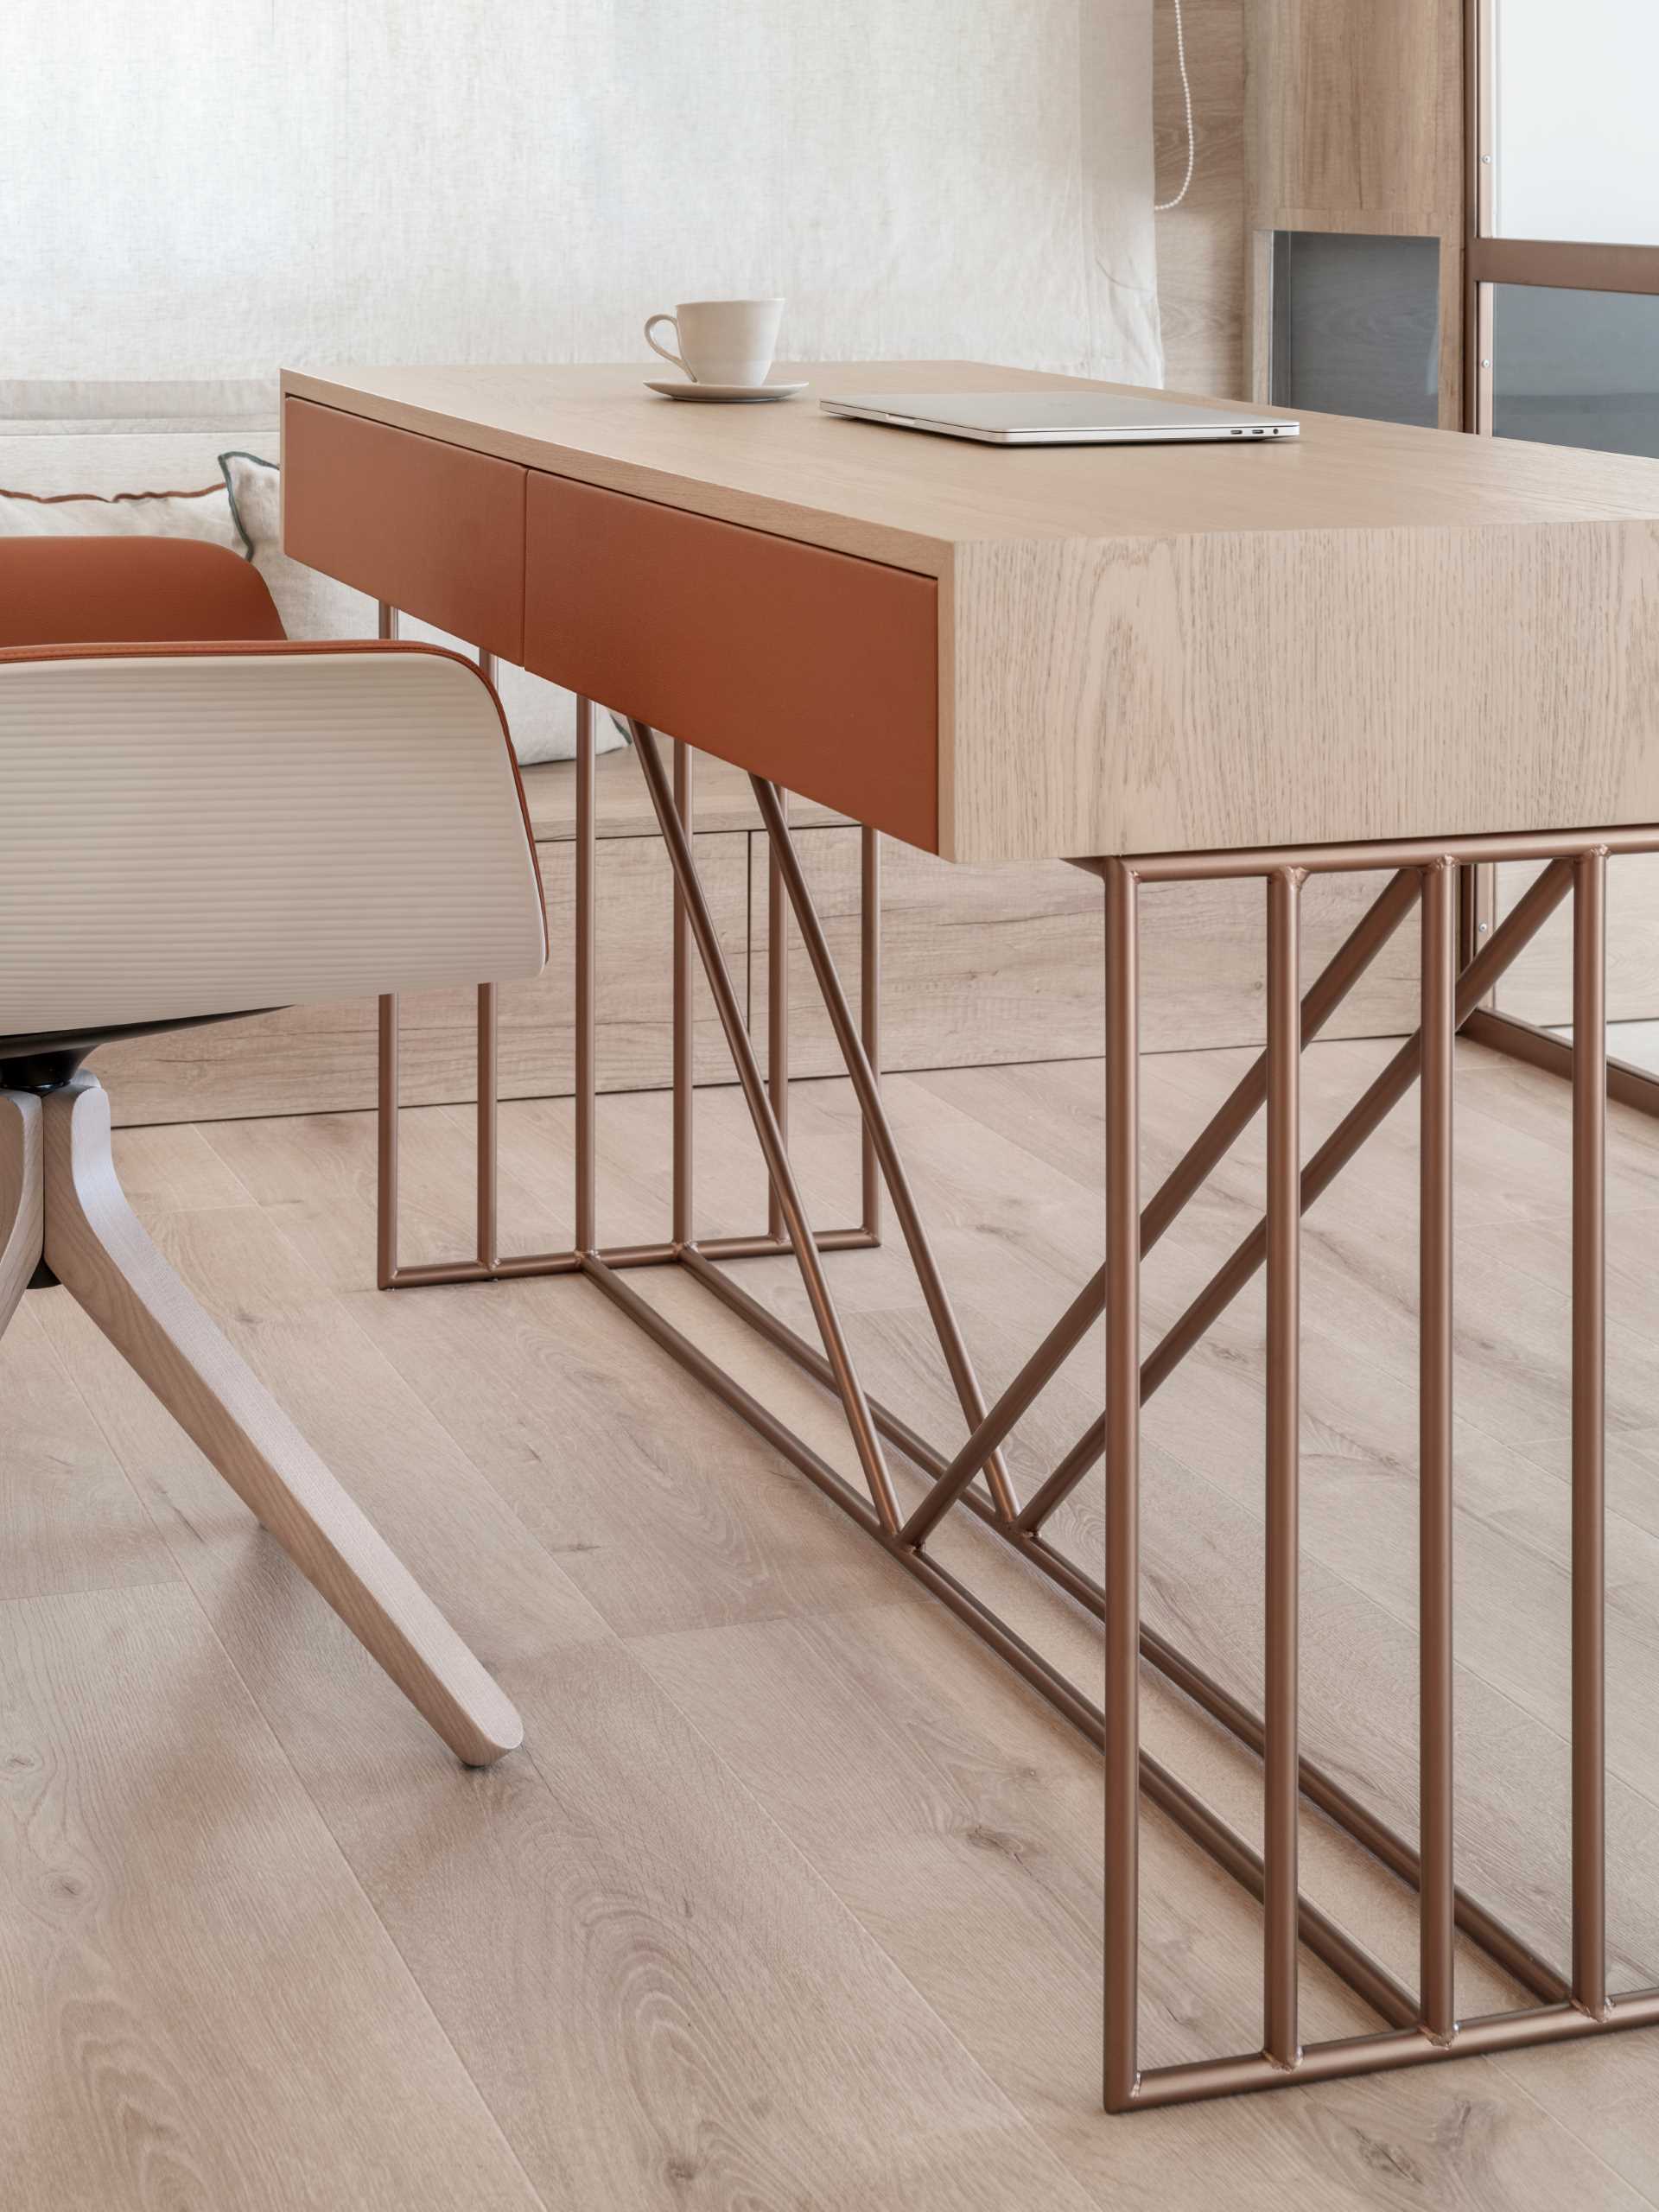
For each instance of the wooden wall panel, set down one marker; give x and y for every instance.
(1353, 121)
(1355, 109)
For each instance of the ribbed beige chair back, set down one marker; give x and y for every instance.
(195, 832)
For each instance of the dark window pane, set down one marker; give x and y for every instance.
(1356, 325)
(1576, 368)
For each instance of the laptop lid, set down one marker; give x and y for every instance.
(1052, 418)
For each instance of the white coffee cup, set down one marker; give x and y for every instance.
(721, 342)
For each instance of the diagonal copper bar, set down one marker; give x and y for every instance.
(1344, 969)
(586, 982)
(1339, 977)
(868, 1093)
(1513, 935)
(1437, 1907)
(1122, 1583)
(701, 924)
(1589, 1425)
(1281, 1775)
(684, 1088)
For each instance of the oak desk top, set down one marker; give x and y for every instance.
(1374, 632)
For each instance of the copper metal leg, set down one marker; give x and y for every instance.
(1122, 1486)
(684, 1090)
(1589, 1419)
(586, 982)
(1282, 1765)
(1460, 963)
(1436, 1884)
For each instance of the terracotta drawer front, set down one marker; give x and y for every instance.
(810, 667)
(435, 530)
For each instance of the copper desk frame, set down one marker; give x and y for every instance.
(1419, 2027)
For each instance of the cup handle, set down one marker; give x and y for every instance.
(651, 326)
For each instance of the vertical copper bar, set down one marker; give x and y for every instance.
(870, 1012)
(587, 1234)
(386, 1160)
(1123, 1585)
(776, 1009)
(1436, 1889)
(386, 1166)
(1589, 1419)
(489, 1118)
(684, 1099)
(488, 1126)
(1282, 1771)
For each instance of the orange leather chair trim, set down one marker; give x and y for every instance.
(433, 529)
(72, 591)
(816, 669)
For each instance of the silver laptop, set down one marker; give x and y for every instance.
(1058, 418)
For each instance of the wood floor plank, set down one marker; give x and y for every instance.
(923, 1896)
(795, 1898)
(69, 1518)
(172, 1168)
(964, 1828)
(613, 1934)
(199, 2009)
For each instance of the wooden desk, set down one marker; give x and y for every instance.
(1380, 648)
(1377, 632)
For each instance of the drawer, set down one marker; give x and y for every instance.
(816, 669)
(435, 530)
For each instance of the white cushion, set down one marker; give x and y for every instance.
(542, 717)
(71, 509)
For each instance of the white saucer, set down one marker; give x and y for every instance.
(732, 394)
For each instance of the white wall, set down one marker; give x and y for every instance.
(1577, 142)
(217, 187)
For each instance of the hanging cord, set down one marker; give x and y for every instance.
(1162, 206)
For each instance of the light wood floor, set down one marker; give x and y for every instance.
(793, 1897)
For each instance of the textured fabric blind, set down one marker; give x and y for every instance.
(214, 187)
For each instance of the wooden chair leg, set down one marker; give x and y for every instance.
(19, 1197)
(97, 1247)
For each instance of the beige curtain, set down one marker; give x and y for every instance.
(216, 188)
